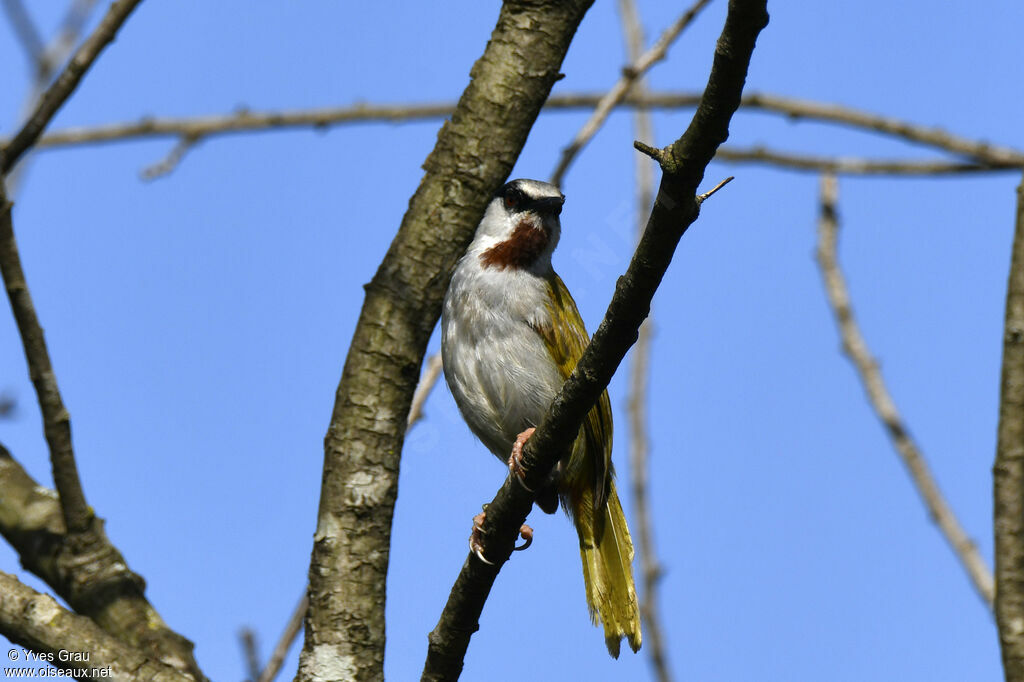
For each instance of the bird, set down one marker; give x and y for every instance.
(510, 336)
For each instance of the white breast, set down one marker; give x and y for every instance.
(495, 362)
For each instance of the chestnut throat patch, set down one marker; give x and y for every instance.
(522, 248)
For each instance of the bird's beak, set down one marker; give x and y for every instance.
(552, 205)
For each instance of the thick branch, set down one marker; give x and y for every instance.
(871, 377)
(675, 209)
(1008, 472)
(638, 66)
(84, 569)
(55, 96)
(474, 154)
(38, 622)
(56, 419)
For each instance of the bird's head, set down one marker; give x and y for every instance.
(520, 228)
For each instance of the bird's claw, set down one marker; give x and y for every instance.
(515, 460)
(526, 533)
(476, 545)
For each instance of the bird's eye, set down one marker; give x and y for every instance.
(513, 198)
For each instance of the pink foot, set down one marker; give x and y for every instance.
(515, 460)
(476, 545)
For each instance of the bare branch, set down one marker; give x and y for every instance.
(871, 377)
(674, 211)
(423, 389)
(167, 165)
(1008, 472)
(89, 573)
(291, 631)
(475, 151)
(56, 419)
(38, 622)
(639, 449)
(250, 651)
(988, 157)
(26, 31)
(636, 69)
(55, 96)
(851, 166)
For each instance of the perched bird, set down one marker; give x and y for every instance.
(510, 337)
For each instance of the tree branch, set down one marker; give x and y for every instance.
(989, 156)
(37, 621)
(474, 154)
(871, 377)
(87, 571)
(631, 74)
(56, 419)
(55, 96)
(26, 31)
(639, 448)
(1008, 472)
(852, 166)
(291, 631)
(674, 210)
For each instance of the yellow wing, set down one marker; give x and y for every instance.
(590, 464)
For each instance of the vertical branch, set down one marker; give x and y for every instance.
(639, 451)
(1008, 472)
(871, 377)
(56, 420)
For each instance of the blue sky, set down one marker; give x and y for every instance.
(198, 325)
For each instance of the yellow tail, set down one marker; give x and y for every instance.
(607, 571)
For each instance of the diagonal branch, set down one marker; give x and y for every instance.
(631, 74)
(639, 449)
(55, 96)
(26, 31)
(38, 622)
(88, 572)
(56, 420)
(1008, 472)
(474, 154)
(675, 209)
(867, 370)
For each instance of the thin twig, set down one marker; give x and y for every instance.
(636, 69)
(166, 165)
(988, 157)
(853, 166)
(871, 377)
(67, 35)
(250, 651)
(56, 419)
(1008, 472)
(47, 61)
(26, 31)
(288, 637)
(55, 96)
(429, 377)
(639, 451)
